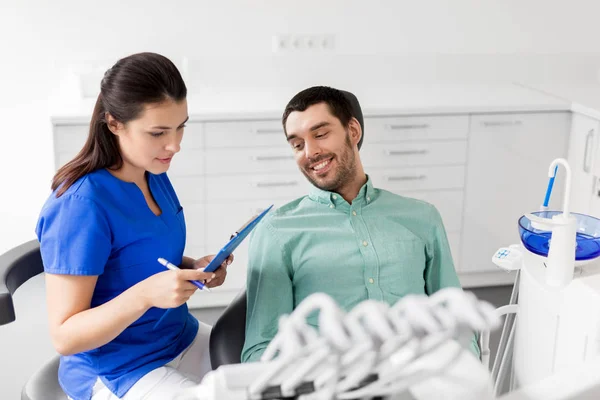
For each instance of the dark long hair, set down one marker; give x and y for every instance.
(131, 83)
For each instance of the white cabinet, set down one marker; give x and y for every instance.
(248, 133)
(594, 209)
(584, 160)
(583, 143)
(409, 128)
(507, 176)
(422, 157)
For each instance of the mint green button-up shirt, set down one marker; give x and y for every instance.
(382, 247)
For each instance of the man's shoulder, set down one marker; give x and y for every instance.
(288, 219)
(405, 202)
(278, 224)
(292, 208)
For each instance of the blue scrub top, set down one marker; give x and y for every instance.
(103, 226)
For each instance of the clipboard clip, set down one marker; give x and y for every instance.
(237, 232)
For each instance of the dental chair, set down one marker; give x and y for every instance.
(23, 262)
(228, 334)
(17, 266)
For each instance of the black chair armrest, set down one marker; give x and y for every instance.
(17, 266)
(229, 333)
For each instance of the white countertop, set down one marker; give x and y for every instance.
(399, 100)
(584, 99)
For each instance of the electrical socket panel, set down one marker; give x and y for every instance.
(293, 43)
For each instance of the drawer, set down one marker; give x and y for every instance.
(418, 178)
(70, 138)
(187, 162)
(415, 153)
(268, 187)
(258, 160)
(244, 134)
(396, 129)
(225, 219)
(195, 224)
(189, 189)
(509, 139)
(449, 203)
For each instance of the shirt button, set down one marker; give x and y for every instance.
(371, 280)
(368, 198)
(331, 206)
(365, 243)
(335, 197)
(354, 213)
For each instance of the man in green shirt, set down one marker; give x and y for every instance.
(345, 238)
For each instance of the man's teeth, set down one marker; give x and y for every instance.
(321, 165)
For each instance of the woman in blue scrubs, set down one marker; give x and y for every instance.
(118, 318)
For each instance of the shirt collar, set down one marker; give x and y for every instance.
(366, 194)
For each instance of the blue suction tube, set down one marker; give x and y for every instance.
(549, 189)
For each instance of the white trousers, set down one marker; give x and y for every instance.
(164, 383)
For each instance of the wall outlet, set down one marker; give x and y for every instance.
(296, 43)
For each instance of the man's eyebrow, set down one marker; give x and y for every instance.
(312, 129)
(319, 125)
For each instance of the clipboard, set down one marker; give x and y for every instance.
(236, 239)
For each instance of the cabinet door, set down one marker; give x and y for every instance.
(507, 176)
(582, 144)
(68, 140)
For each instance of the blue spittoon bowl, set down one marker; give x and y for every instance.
(538, 241)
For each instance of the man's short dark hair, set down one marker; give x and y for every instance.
(342, 104)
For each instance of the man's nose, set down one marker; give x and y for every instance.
(311, 149)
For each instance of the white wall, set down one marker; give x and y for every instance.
(379, 45)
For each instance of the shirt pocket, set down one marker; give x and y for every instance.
(402, 268)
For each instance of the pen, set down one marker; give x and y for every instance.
(174, 267)
(243, 227)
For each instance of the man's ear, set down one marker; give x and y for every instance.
(355, 131)
(114, 125)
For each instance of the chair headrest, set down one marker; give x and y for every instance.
(356, 112)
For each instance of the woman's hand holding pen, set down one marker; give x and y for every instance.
(170, 289)
(218, 277)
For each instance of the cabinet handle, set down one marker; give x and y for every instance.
(502, 123)
(395, 127)
(407, 178)
(405, 152)
(274, 184)
(266, 131)
(272, 158)
(589, 136)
